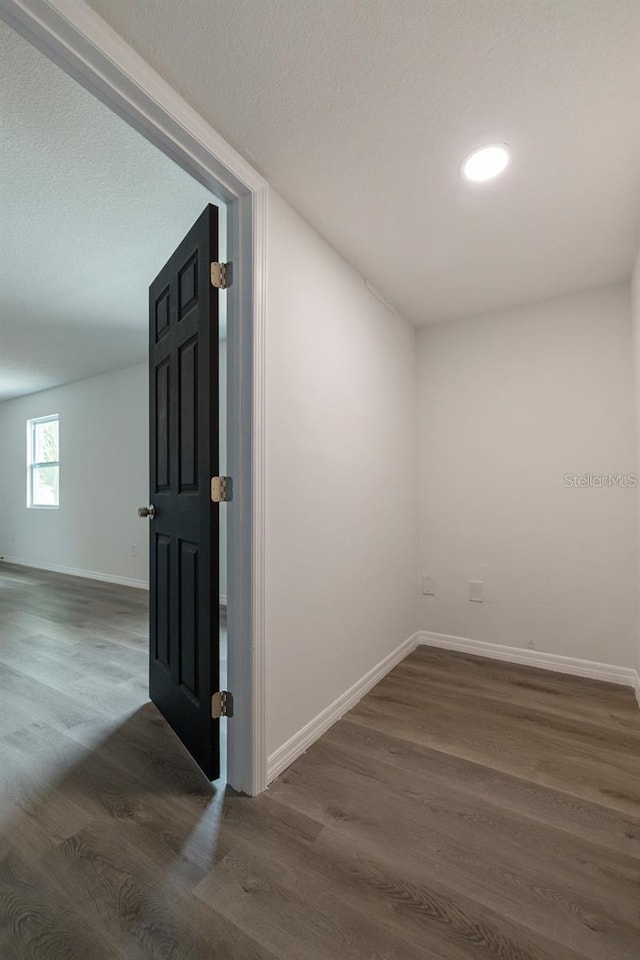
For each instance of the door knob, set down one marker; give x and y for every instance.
(149, 511)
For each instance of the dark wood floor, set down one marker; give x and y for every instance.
(464, 809)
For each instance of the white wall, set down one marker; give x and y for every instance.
(341, 477)
(104, 437)
(103, 477)
(509, 404)
(635, 323)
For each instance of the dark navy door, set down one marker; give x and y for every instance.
(183, 395)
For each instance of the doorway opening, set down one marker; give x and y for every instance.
(77, 40)
(91, 212)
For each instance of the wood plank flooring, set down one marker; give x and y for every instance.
(465, 809)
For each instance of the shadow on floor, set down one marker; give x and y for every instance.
(101, 829)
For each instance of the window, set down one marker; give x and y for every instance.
(43, 462)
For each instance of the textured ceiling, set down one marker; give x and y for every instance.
(359, 112)
(90, 212)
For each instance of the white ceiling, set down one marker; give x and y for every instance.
(90, 213)
(359, 112)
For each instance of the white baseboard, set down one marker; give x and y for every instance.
(284, 756)
(535, 658)
(74, 572)
(87, 574)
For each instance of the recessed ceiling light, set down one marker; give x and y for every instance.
(485, 163)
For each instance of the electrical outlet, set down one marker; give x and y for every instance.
(134, 550)
(476, 591)
(428, 585)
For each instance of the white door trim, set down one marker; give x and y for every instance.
(79, 41)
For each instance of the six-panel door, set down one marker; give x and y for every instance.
(183, 389)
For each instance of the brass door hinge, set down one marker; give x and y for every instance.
(221, 704)
(221, 489)
(221, 275)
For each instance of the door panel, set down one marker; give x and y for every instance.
(184, 574)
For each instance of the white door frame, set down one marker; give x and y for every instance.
(79, 41)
